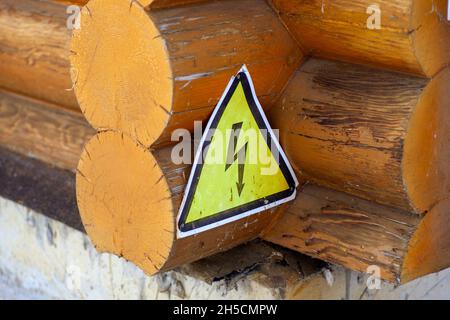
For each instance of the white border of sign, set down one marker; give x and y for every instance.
(448, 10)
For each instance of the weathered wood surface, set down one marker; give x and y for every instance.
(379, 135)
(72, 2)
(346, 230)
(149, 4)
(322, 223)
(129, 199)
(158, 4)
(34, 50)
(183, 61)
(43, 131)
(356, 233)
(413, 36)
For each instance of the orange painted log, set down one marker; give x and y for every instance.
(358, 234)
(34, 50)
(147, 71)
(129, 197)
(153, 4)
(413, 35)
(378, 135)
(41, 130)
(72, 2)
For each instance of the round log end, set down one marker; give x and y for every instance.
(430, 32)
(428, 248)
(426, 170)
(125, 202)
(122, 73)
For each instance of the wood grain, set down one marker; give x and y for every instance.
(149, 4)
(129, 199)
(73, 2)
(34, 51)
(185, 58)
(129, 196)
(346, 230)
(43, 131)
(411, 37)
(51, 191)
(375, 134)
(356, 233)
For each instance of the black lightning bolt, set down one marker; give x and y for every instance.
(240, 156)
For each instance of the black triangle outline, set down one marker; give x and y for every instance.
(242, 78)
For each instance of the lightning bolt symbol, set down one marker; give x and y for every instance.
(240, 156)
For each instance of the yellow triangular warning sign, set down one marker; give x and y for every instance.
(240, 168)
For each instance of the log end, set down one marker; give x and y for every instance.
(430, 35)
(124, 201)
(427, 146)
(121, 69)
(428, 250)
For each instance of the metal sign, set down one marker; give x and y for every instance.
(239, 168)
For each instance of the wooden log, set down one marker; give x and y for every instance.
(378, 135)
(413, 36)
(356, 234)
(429, 246)
(152, 4)
(35, 61)
(34, 51)
(43, 131)
(147, 72)
(158, 4)
(73, 2)
(346, 230)
(129, 199)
